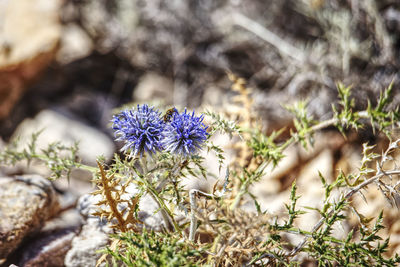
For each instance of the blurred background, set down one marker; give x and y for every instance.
(82, 58)
(65, 65)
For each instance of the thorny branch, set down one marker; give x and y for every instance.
(380, 173)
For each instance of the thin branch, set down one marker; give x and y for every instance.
(283, 47)
(193, 193)
(347, 196)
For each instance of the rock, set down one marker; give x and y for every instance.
(29, 39)
(153, 86)
(48, 250)
(93, 236)
(59, 128)
(269, 191)
(71, 189)
(95, 232)
(68, 219)
(272, 203)
(147, 208)
(327, 140)
(312, 192)
(85, 246)
(49, 246)
(75, 44)
(26, 202)
(148, 215)
(214, 96)
(108, 28)
(308, 180)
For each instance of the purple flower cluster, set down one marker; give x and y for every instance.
(143, 130)
(140, 129)
(185, 134)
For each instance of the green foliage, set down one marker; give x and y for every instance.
(150, 248)
(292, 211)
(302, 123)
(232, 236)
(223, 125)
(219, 152)
(266, 147)
(382, 118)
(330, 251)
(60, 159)
(346, 117)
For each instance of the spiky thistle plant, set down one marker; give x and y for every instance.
(158, 152)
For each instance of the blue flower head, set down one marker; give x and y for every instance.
(140, 129)
(185, 134)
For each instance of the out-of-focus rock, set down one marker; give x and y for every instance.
(75, 44)
(26, 202)
(93, 236)
(59, 128)
(68, 219)
(48, 250)
(269, 189)
(29, 37)
(87, 205)
(148, 214)
(310, 186)
(214, 96)
(107, 26)
(85, 245)
(327, 140)
(77, 185)
(51, 244)
(95, 231)
(153, 86)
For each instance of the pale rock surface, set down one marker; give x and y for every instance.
(67, 219)
(309, 186)
(92, 237)
(268, 190)
(84, 246)
(152, 87)
(75, 44)
(26, 202)
(29, 35)
(312, 193)
(147, 208)
(95, 232)
(270, 183)
(59, 128)
(214, 97)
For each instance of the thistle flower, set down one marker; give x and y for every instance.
(140, 129)
(185, 134)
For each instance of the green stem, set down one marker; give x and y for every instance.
(78, 165)
(165, 212)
